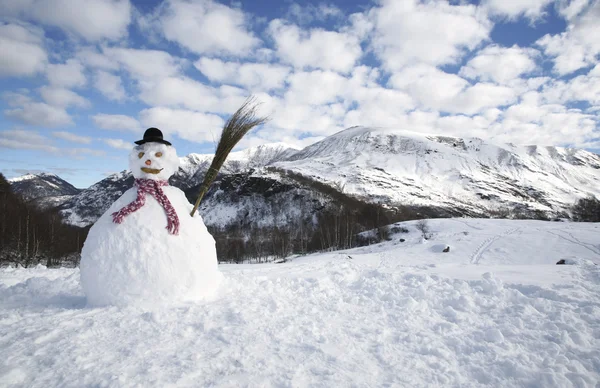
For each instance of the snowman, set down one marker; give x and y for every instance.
(146, 249)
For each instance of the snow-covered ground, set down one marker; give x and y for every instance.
(494, 311)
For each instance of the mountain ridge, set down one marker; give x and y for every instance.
(390, 167)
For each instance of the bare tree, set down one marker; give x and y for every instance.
(423, 227)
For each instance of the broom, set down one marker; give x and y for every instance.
(240, 123)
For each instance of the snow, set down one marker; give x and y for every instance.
(161, 268)
(405, 167)
(494, 311)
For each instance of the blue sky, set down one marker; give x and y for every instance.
(81, 80)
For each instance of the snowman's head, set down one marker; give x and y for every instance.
(154, 161)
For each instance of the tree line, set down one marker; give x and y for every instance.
(29, 236)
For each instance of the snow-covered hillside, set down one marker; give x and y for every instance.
(494, 311)
(44, 189)
(402, 167)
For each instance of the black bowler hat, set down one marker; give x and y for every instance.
(153, 135)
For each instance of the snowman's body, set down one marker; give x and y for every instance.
(138, 262)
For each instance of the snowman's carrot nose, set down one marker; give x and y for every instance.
(148, 162)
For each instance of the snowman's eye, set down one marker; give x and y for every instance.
(158, 154)
(140, 155)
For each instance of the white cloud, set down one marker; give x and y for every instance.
(189, 125)
(22, 51)
(109, 85)
(37, 113)
(72, 137)
(378, 106)
(569, 9)
(500, 64)
(432, 87)
(78, 152)
(116, 122)
(205, 27)
(68, 75)
(254, 76)
(145, 64)
(92, 58)
(578, 47)
(27, 140)
(532, 9)
(316, 48)
(480, 97)
(119, 144)
(22, 135)
(321, 119)
(441, 91)
(63, 98)
(93, 20)
(302, 89)
(584, 88)
(433, 32)
(308, 13)
(185, 92)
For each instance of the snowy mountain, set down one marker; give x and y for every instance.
(193, 166)
(470, 175)
(86, 207)
(494, 311)
(43, 189)
(433, 175)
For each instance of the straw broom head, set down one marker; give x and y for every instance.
(240, 123)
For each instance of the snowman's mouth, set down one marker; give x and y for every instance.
(151, 170)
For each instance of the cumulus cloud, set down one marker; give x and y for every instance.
(315, 48)
(109, 85)
(254, 76)
(31, 112)
(308, 13)
(205, 27)
(91, 57)
(316, 87)
(500, 64)
(532, 9)
(63, 98)
(93, 20)
(433, 32)
(189, 125)
(178, 92)
(22, 135)
(69, 74)
(569, 9)
(22, 50)
(441, 91)
(72, 137)
(578, 47)
(25, 140)
(119, 144)
(145, 64)
(583, 88)
(116, 122)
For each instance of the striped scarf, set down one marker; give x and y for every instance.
(149, 186)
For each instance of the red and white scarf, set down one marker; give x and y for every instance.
(149, 186)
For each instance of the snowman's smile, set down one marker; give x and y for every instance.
(151, 170)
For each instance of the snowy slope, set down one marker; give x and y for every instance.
(82, 209)
(48, 189)
(402, 167)
(495, 311)
(86, 207)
